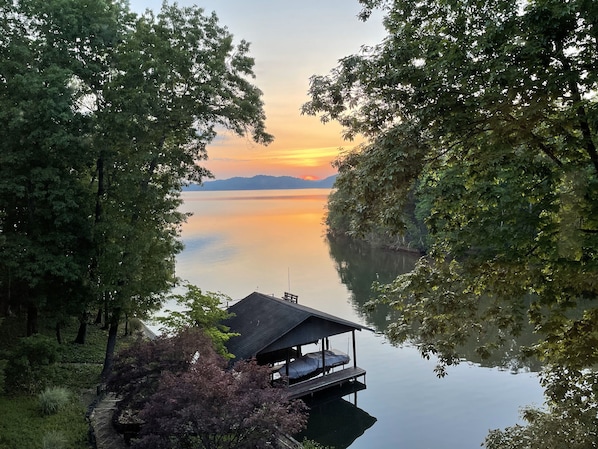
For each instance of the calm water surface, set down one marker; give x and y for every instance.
(273, 241)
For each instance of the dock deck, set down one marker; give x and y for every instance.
(316, 384)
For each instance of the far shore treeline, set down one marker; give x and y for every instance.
(263, 182)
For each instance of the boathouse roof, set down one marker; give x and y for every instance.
(268, 325)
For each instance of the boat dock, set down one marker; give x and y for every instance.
(272, 330)
(337, 378)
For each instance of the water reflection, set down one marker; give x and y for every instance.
(336, 422)
(212, 246)
(275, 244)
(359, 265)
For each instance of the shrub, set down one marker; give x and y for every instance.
(51, 400)
(54, 439)
(186, 393)
(135, 326)
(30, 362)
(38, 350)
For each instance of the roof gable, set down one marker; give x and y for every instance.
(266, 324)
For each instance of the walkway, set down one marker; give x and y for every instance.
(100, 419)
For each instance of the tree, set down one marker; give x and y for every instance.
(353, 208)
(204, 310)
(213, 409)
(188, 397)
(493, 123)
(137, 368)
(105, 115)
(486, 111)
(175, 78)
(44, 194)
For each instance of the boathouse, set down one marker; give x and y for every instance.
(273, 330)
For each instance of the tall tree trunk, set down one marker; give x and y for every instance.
(111, 344)
(98, 319)
(82, 332)
(32, 322)
(4, 307)
(58, 333)
(106, 315)
(5, 295)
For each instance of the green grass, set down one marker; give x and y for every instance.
(22, 423)
(24, 426)
(54, 439)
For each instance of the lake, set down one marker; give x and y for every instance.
(238, 242)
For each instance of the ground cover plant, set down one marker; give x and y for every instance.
(24, 426)
(67, 385)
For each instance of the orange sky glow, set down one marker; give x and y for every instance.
(290, 42)
(307, 154)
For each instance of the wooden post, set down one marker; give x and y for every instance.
(287, 365)
(354, 354)
(323, 357)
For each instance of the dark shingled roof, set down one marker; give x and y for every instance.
(267, 324)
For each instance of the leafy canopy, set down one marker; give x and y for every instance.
(104, 116)
(486, 114)
(203, 310)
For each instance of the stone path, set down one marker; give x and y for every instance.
(106, 437)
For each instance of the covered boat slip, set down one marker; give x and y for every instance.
(273, 330)
(313, 362)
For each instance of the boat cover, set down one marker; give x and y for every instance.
(312, 362)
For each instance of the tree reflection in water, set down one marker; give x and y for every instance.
(453, 334)
(487, 331)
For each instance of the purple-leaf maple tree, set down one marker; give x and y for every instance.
(189, 398)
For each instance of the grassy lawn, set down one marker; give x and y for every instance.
(78, 367)
(23, 426)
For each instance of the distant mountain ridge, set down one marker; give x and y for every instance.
(263, 182)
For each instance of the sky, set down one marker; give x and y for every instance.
(290, 41)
